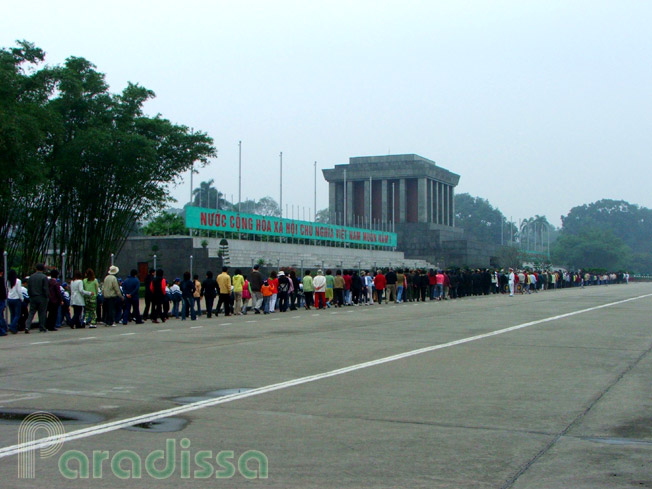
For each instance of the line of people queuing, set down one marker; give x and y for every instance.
(85, 301)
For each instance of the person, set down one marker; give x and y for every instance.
(209, 291)
(157, 288)
(188, 297)
(338, 288)
(511, 281)
(266, 290)
(390, 286)
(54, 301)
(379, 285)
(224, 286)
(148, 293)
(246, 296)
(131, 290)
(308, 289)
(284, 285)
(273, 283)
(330, 281)
(3, 303)
(14, 299)
(90, 309)
(176, 297)
(319, 285)
(112, 295)
(346, 275)
(400, 283)
(294, 289)
(356, 287)
(238, 288)
(196, 295)
(256, 282)
(439, 285)
(77, 294)
(39, 292)
(369, 282)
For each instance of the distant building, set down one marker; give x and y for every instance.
(411, 195)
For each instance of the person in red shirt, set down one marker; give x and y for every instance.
(347, 287)
(379, 284)
(273, 284)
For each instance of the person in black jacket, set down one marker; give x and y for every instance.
(38, 291)
(209, 291)
(149, 295)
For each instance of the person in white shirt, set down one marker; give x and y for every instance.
(511, 280)
(77, 301)
(14, 299)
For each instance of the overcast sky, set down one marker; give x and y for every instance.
(538, 105)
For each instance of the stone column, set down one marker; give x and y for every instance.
(445, 206)
(332, 201)
(448, 205)
(453, 206)
(437, 206)
(383, 201)
(422, 199)
(402, 201)
(349, 204)
(367, 200)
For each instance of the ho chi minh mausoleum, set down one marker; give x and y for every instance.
(411, 195)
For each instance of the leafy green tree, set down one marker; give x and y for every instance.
(104, 165)
(209, 197)
(592, 249)
(629, 222)
(323, 216)
(166, 224)
(266, 206)
(26, 128)
(481, 220)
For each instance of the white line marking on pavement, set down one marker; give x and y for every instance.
(162, 330)
(146, 418)
(276, 319)
(253, 321)
(195, 327)
(296, 317)
(227, 324)
(87, 338)
(127, 334)
(41, 343)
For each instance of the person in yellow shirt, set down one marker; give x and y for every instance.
(196, 296)
(224, 286)
(238, 284)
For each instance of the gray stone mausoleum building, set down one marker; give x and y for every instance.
(413, 196)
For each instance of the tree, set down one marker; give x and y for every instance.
(166, 224)
(629, 222)
(209, 197)
(592, 249)
(266, 206)
(104, 165)
(480, 220)
(323, 216)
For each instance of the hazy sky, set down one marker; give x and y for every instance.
(538, 105)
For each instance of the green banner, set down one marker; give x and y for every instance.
(234, 222)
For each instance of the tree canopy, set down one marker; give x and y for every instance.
(481, 221)
(83, 164)
(607, 234)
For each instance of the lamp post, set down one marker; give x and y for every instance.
(63, 266)
(154, 262)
